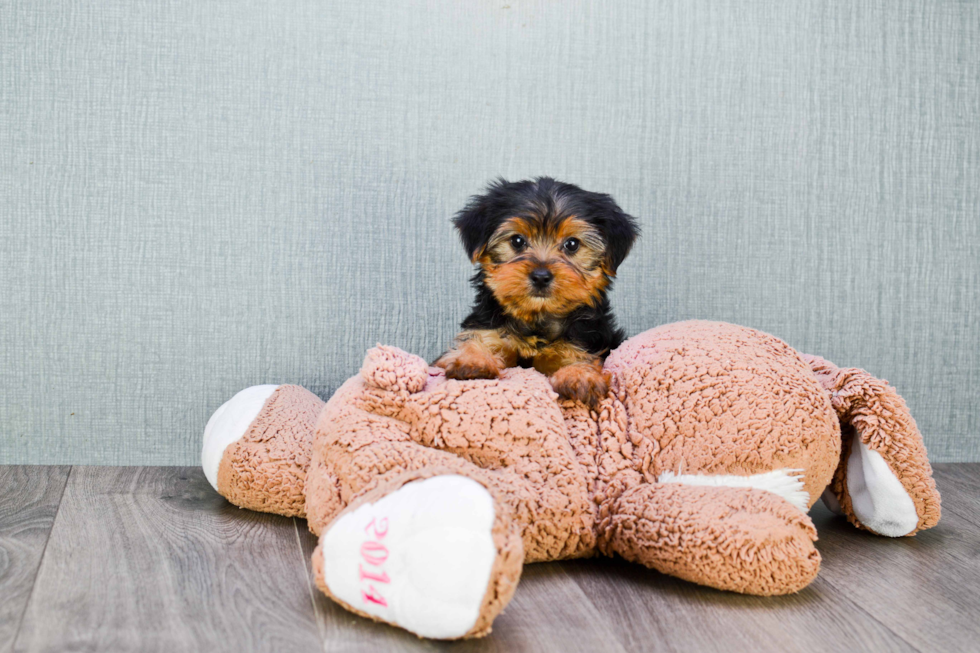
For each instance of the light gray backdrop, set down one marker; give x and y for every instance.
(200, 196)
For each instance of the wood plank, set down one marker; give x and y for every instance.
(869, 595)
(924, 588)
(29, 499)
(342, 631)
(152, 559)
(959, 485)
(549, 613)
(654, 612)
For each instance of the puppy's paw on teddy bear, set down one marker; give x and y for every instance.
(582, 382)
(470, 363)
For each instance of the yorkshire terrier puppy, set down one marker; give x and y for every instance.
(547, 253)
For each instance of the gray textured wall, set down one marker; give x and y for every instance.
(200, 196)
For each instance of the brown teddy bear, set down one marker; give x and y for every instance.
(429, 494)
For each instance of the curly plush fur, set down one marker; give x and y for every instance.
(697, 462)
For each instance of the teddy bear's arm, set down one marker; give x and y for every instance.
(740, 539)
(883, 482)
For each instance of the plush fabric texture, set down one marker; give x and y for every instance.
(715, 398)
(266, 469)
(874, 412)
(740, 539)
(508, 434)
(696, 398)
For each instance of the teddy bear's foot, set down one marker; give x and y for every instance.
(257, 445)
(740, 539)
(433, 556)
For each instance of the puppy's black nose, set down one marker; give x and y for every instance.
(541, 277)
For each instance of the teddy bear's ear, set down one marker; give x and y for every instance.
(390, 368)
(477, 221)
(884, 481)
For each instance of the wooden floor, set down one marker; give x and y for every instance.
(148, 559)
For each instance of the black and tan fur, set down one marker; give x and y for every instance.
(571, 241)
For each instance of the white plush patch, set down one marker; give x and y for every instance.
(877, 497)
(419, 557)
(228, 424)
(787, 483)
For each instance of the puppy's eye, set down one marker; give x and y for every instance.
(571, 245)
(518, 242)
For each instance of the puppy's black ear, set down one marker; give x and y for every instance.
(619, 230)
(477, 221)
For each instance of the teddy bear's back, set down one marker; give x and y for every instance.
(716, 398)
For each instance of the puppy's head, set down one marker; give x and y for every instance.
(545, 247)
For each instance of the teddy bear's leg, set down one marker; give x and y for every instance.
(740, 539)
(433, 551)
(257, 446)
(444, 552)
(884, 481)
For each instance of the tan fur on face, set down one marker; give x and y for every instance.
(579, 277)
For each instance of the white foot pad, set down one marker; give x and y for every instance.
(228, 424)
(419, 558)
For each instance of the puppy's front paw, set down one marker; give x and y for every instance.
(582, 382)
(469, 363)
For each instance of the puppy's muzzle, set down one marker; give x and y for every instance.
(541, 278)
